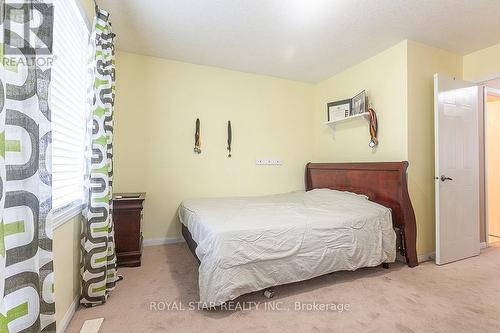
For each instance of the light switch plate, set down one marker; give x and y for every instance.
(268, 161)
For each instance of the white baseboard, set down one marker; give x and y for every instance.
(63, 325)
(163, 241)
(426, 257)
(432, 256)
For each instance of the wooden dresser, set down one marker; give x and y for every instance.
(127, 219)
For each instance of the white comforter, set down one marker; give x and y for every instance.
(248, 244)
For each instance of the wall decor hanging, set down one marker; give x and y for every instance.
(351, 109)
(229, 137)
(373, 128)
(197, 138)
(346, 108)
(358, 104)
(339, 110)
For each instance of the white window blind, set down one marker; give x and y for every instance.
(67, 100)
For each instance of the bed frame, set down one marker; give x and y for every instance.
(384, 183)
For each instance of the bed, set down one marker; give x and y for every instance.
(351, 215)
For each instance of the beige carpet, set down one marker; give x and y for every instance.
(458, 297)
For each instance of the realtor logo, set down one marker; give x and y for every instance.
(27, 28)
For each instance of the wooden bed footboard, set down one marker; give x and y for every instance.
(383, 182)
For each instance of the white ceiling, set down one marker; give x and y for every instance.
(305, 40)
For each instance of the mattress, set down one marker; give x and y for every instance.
(252, 243)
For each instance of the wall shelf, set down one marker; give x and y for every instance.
(332, 123)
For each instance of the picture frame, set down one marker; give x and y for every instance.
(358, 104)
(339, 109)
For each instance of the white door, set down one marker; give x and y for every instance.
(457, 169)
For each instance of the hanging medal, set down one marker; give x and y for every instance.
(197, 138)
(229, 138)
(373, 128)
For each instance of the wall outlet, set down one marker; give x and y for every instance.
(268, 161)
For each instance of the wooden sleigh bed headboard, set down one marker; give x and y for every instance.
(384, 183)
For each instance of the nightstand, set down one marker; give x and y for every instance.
(127, 219)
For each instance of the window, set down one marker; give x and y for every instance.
(68, 105)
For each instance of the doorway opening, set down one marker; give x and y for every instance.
(492, 161)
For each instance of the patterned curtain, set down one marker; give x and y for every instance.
(98, 265)
(26, 269)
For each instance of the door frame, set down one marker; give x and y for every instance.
(484, 147)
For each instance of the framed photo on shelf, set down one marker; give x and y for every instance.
(358, 103)
(339, 110)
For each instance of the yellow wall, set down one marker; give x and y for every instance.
(493, 165)
(482, 65)
(157, 102)
(384, 79)
(423, 62)
(66, 252)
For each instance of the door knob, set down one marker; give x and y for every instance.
(444, 178)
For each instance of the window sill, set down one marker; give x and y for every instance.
(64, 215)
